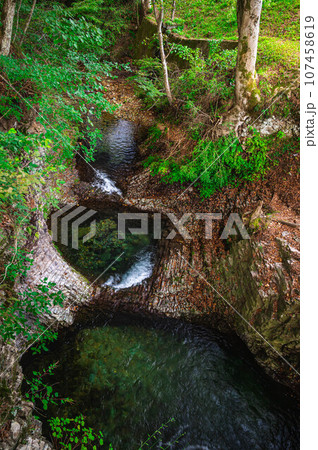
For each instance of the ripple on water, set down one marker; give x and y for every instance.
(116, 150)
(128, 378)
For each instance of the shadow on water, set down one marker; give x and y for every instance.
(117, 149)
(128, 375)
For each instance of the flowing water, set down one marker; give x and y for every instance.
(115, 153)
(129, 376)
(119, 263)
(139, 271)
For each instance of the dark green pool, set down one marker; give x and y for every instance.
(128, 376)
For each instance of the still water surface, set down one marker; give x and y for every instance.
(129, 376)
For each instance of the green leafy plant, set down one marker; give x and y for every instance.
(59, 78)
(149, 81)
(214, 165)
(55, 83)
(20, 263)
(113, 20)
(25, 164)
(212, 77)
(22, 316)
(73, 433)
(43, 393)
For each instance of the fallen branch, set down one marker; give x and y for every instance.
(284, 222)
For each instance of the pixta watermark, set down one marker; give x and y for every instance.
(233, 226)
(67, 224)
(69, 228)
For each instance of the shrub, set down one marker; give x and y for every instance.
(22, 316)
(212, 76)
(149, 81)
(214, 165)
(59, 77)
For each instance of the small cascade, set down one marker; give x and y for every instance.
(105, 184)
(136, 274)
(114, 154)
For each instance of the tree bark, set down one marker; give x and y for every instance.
(17, 21)
(248, 19)
(7, 16)
(159, 19)
(145, 7)
(173, 10)
(26, 26)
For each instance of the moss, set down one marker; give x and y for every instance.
(4, 390)
(283, 330)
(6, 402)
(252, 94)
(244, 45)
(254, 98)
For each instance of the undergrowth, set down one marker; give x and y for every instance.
(204, 18)
(214, 165)
(205, 86)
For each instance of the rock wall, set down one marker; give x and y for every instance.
(49, 264)
(19, 429)
(259, 277)
(148, 29)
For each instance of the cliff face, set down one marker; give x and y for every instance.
(250, 287)
(247, 286)
(259, 289)
(20, 430)
(49, 264)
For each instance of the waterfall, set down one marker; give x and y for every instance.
(138, 272)
(105, 184)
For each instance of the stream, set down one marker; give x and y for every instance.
(129, 375)
(114, 153)
(119, 263)
(114, 157)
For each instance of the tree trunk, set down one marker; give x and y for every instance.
(145, 7)
(17, 21)
(248, 19)
(7, 16)
(26, 27)
(173, 10)
(159, 20)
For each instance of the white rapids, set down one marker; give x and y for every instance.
(105, 184)
(136, 274)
